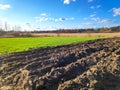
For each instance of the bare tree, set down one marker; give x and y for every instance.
(6, 26)
(16, 28)
(29, 26)
(1, 26)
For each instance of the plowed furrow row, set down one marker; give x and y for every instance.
(81, 66)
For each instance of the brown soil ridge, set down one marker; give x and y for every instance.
(92, 65)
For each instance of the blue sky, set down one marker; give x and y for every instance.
(56, 14)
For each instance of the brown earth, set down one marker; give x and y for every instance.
(92, 65)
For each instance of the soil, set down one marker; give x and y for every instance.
(92, 65)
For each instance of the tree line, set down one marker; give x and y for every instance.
(89, 30)
(18, 33)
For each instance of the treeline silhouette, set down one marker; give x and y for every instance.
(89, 30)
(18, 33)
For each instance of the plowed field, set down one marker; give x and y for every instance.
(92, 65)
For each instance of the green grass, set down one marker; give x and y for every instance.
(10, 45)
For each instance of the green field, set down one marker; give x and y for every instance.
(10, 45)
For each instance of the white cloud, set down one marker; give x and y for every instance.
(85, 18)
(92, 15)
(4, 6)
(106, 20)
(116, 11)
(90, 0)
(88, 23)
(95, 7)
(99, 20)
(96, 19)
(92, 7)
(44, 14)
(63, 19)
(43, 19)
(59, 19)
(98, 6)
(68, 1)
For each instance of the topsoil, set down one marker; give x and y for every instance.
(92, 65)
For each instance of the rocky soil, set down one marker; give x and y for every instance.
(92, 65)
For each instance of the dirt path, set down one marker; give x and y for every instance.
(93, 65)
